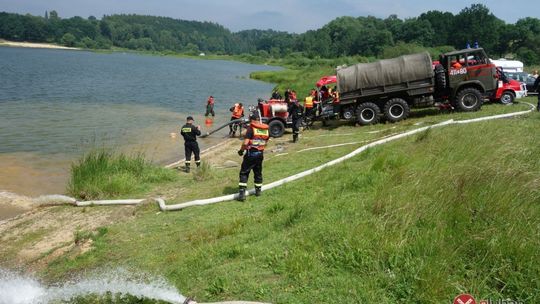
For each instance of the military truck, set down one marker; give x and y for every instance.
(390, 88)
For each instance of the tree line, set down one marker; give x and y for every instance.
(343, 36)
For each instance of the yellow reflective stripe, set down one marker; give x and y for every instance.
(188, 162)
(258, 142)
(198, 161)
(242, 184)
(186, 130)
(260, 132)
(258, 185)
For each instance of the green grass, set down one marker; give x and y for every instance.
(419, 220)
(101, 174)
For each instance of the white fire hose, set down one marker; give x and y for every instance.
(60, 199)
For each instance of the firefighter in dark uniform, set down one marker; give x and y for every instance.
(255, 140)
(296, 111)
(536, 88)
(190, 133)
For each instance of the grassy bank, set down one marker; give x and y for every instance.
(418, 220)
(102, 174)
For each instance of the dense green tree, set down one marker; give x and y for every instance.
(476, 24)
(343, 36)
(416, 30)
(68, 39)
(442, 24)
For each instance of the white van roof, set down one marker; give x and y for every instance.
(508, 65)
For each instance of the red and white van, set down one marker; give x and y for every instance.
(508, 90)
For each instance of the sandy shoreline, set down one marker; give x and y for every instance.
(14, 204)
(35, 45)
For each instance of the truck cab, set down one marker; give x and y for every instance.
(469, 68)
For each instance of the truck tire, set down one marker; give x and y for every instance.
(367, 114)
(396, 109)
(277, 128)
(348, 113)
(508, 97)
(468, 100)
(440, 78)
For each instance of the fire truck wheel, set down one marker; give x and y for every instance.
(277, 128)
(348, 113)
(396, 109)
(468, 100)
(507, 97)
(367, 114)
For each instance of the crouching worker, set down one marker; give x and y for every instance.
(255, 140)
(190, 133)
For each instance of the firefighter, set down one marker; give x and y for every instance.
(536, 88)
(190, 133)
(237, 113)
(210, 106)
(252, 149)
(296, 112)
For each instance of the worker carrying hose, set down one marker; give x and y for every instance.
(255, 140)
(237, 113)
(190, 133)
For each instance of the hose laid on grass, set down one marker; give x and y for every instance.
(339, 160)
(200, 202)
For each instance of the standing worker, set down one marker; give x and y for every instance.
(296, 111)
(536, 88)
(190, 133)
(257, 136)
(237, 113)
(210, 106)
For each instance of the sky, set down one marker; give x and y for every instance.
(295, 16)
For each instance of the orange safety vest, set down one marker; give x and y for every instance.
(238, 111)
(308, 102)
(260, 136)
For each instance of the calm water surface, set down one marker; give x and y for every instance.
(56, 104)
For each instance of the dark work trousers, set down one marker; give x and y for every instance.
(210, 110)
(233, 127)
(538, 106)
(308, 112)
(252, 161)
(296, 123)
(192, 147)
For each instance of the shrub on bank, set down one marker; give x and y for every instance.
(102, 174)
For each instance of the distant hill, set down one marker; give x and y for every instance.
(343, 36)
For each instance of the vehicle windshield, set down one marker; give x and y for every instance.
(519, 76)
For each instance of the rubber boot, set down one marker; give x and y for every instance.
(295, 138)
(188, 168)
(257, 191)
(198, 164)
(242, 194)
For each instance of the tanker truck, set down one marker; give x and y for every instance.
(390, 88)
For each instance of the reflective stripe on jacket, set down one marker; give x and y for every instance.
(260, 136)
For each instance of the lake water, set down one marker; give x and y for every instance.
(55, 105)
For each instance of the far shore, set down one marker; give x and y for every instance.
(35, 45)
